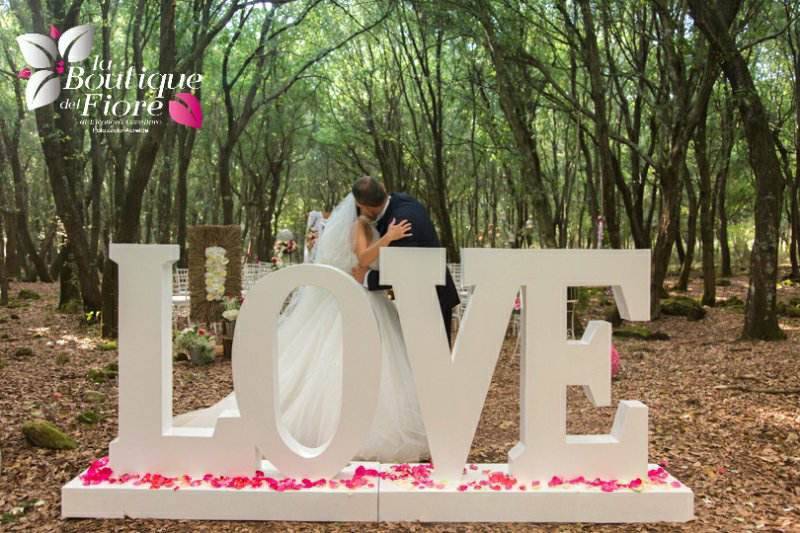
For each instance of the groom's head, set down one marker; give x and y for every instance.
(370, 196)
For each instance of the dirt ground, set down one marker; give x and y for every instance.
(739, 449)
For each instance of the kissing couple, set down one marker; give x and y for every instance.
(310, 332)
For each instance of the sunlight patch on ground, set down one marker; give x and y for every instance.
(84, 343)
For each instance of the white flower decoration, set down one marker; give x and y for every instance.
(216, 272)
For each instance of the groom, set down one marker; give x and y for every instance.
(382, 208)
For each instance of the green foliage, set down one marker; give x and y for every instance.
(23, 351)
(94, 396)
(789, 309)
(733, 302)
(71, 307)
(683, 306)
(89, 417)
(27, 294)
(106, 345)
(638, 331)
(101, 375)
(196, 345)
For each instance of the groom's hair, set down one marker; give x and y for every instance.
(369, 191)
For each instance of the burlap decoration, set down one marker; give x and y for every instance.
(200, 238)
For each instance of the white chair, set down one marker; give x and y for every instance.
(250, 275)
(181, 304)
(180, 282)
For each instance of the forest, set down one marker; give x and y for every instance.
(672, 125)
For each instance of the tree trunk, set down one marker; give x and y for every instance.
(691, 232)
(761, 319)
(3, 272)
(185, 146)
(62, 140)
(164, 232)
(602, 129)
(127, 224)
(721, 185)
(706, 214)
(13, 266)
(69, 290)
(667, 234)
(99, 154)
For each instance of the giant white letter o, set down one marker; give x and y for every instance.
(256, 370)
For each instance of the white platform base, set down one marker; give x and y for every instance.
(388, 501)
(400, 501)
(320, 504)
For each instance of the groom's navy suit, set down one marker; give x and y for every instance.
(404, 207)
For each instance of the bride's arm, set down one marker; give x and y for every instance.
(367, 252)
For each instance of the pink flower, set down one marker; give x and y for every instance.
(555, 481)
(614, 361)
(462, 488)
(55, 33)
(60, 67)
(517, 303)
(635, 484)
(24, 74)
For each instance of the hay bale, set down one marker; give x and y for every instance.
(200, 238)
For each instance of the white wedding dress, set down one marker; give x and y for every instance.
(310, 364)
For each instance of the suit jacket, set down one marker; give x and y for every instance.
(404, 207)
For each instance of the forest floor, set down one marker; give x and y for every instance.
(739, 450)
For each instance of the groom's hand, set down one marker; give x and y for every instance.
(360, 272)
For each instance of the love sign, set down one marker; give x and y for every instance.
(451, 388)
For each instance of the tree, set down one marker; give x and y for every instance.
(761, 321)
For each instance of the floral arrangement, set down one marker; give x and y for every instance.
(282, 248)
(216, 271)
(232, 305)
(196, 344)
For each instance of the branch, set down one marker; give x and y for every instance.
(322, 55)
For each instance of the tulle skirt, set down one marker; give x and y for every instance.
(310, 368)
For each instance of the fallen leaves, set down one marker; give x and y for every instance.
(737, 450)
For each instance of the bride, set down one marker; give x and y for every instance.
(310, 352)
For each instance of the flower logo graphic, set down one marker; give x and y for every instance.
(186, 110)
(42, 53)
